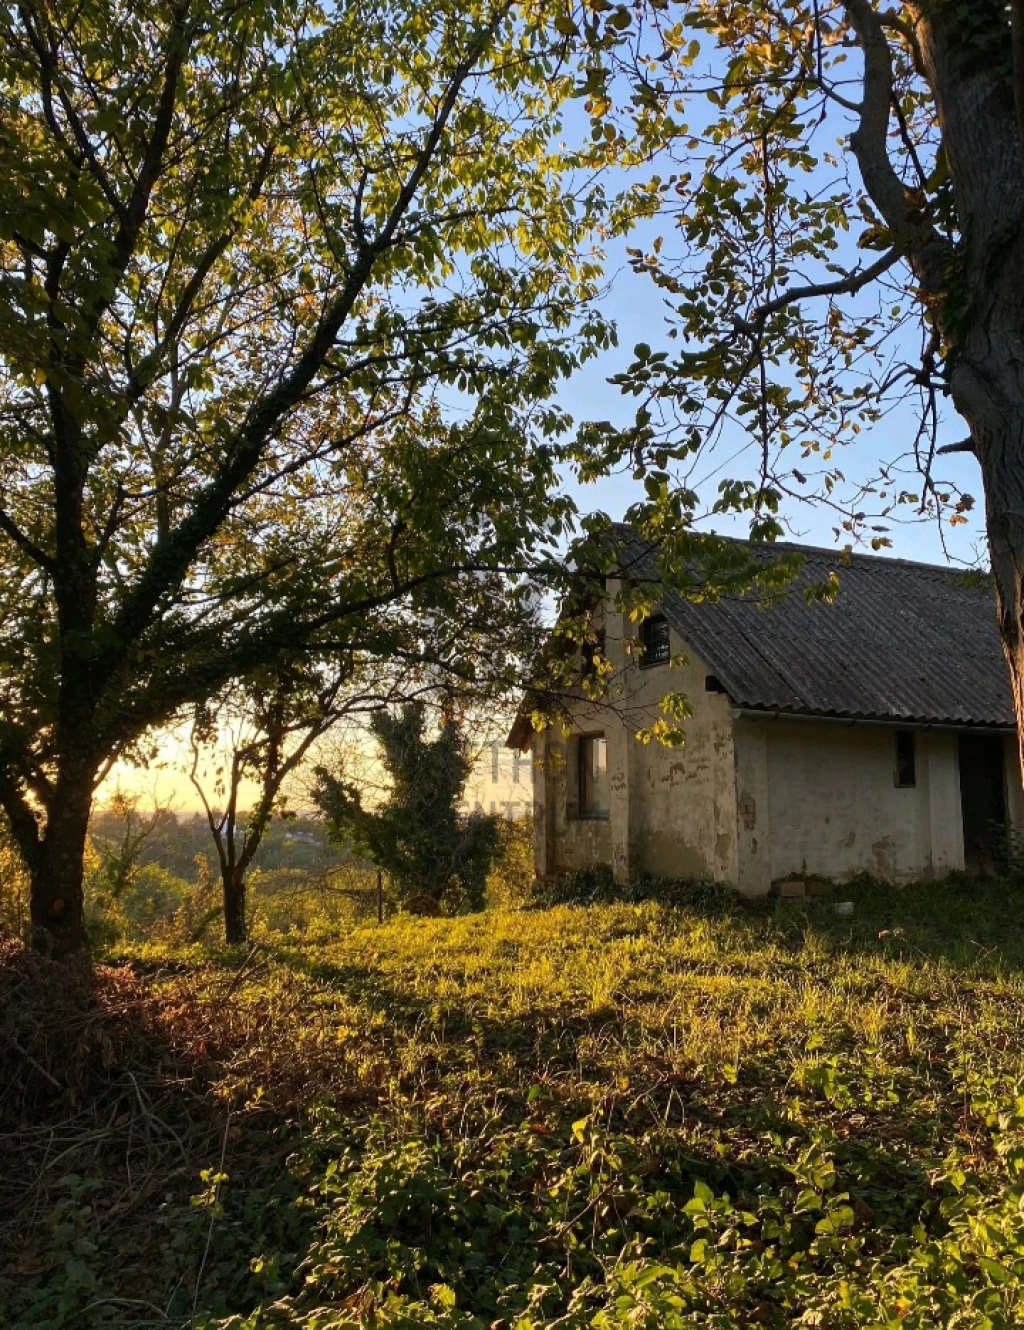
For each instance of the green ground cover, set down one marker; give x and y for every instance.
(612, 1116)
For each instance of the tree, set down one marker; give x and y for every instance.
(417, 834)
(260, 730)
(810, 286)
(285, 291)
(275, 718)
(123, 854)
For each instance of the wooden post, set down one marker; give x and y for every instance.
(380, 896)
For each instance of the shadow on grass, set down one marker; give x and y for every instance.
(968, 924)
(493, 1113)
(107, 1122)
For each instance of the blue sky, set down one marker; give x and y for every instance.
(638, 310)
(637, 307)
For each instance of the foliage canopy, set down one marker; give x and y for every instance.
(285, 290)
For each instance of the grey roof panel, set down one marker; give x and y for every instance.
(901, 641)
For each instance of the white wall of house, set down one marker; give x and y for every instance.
(830, 805)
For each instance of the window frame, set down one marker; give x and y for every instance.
(904, 774)
(648, 659)
(584, 780)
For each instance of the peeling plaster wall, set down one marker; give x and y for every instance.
(833, 807)
(684, 799)
(672, 811)
(563, 842)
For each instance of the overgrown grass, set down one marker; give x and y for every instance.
(612, 1116)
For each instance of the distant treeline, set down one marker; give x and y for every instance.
(180, 842)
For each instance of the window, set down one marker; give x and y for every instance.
(589, 651)
(906, 774)
(494, 762)
(593, 775)
(655, 641)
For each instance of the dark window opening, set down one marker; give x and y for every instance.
(713, 684)
(592, 755)
(983, 802)
(906, 766)
(654, 638)
(591, 651)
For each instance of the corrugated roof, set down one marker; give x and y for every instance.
(902, 641)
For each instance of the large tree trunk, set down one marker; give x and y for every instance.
(988, 389)
(235, 929)
(1003, 472)
(977, 296)
(56, 905)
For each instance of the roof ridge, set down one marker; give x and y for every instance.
(875, 558)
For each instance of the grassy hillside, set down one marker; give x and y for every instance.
(617, 1116)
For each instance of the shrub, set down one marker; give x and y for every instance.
(595, 885)
(510, 880)
(13, 890)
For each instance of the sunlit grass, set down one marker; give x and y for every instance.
(624, 1115)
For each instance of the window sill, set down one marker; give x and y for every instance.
(652, 664)
(589, 817)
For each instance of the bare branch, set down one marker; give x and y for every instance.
(842, 286)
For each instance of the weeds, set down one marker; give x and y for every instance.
(620, 1115)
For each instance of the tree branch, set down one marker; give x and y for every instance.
(171, 558)
(912, 232)
(22, 820)
(133, 214)
(24, 543)
(842, 286)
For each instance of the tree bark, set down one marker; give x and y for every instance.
(980, 313)
(994, 406)
(57, 898)
(235, 925)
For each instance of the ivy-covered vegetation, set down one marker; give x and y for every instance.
(605, 1116)
(430, 850)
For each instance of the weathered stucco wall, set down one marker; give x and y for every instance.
(684, 799)
(672, 811)
(833, 808)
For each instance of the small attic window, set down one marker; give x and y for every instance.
(906, 765)
(654, 639)
(713, 684)
(590, 651)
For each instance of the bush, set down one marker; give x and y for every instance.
(510, 880)
(292, 901)
(13, 890)
(595, 885)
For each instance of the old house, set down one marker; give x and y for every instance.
(871, 734)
